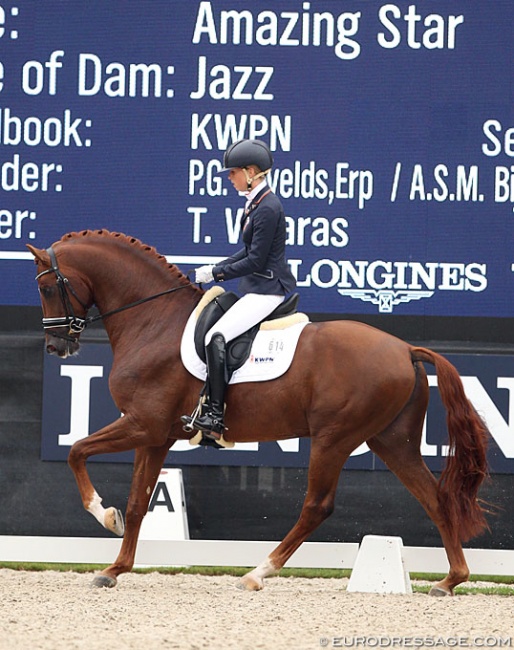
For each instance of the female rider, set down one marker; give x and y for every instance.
(261, 264)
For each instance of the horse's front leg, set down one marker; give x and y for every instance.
(147, 465)
(326, 462)
(121, 435)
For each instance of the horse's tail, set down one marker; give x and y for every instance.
(466, 465)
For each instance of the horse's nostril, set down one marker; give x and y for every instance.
(51, 349)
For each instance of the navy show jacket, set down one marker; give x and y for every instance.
(261, 264)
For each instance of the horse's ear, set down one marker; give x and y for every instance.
(39, 255)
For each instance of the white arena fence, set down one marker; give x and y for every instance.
(160, 553)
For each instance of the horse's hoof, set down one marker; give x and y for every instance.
(102, 580)
(113, 521)
(249, 583)
(439, 592)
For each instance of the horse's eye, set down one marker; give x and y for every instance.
(46, 291)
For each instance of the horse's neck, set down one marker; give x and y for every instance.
(163, 318)
(116, 285)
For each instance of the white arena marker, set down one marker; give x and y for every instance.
(379, 567)
(166, 518)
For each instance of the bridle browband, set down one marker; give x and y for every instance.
(74, 323)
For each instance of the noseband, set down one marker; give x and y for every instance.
(74, 323)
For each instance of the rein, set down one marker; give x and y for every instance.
(74, 323)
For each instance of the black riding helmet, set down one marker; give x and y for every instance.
(248, 152)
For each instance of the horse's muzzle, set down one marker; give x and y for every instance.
(61, 346)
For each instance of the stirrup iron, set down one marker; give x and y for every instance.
(189, 420)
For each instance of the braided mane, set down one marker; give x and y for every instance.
(129, 241)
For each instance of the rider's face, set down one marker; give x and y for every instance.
(237, 177)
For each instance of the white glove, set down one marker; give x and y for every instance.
(204, 274)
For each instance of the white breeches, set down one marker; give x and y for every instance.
(247, 312)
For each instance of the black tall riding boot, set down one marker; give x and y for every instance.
(212, 420)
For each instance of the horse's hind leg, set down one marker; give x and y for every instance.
(418, 479)
(326, 461)
(147, 465)
(399, 447)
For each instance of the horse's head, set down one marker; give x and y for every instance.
(65, 300)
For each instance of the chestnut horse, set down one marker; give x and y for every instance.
(348, 384)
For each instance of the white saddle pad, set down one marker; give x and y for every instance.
(271, 355)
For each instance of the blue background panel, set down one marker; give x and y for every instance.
(391, 126)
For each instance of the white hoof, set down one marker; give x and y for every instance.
(254, 580)
(250, 583)
(113, 521)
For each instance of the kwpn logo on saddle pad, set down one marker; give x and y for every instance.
(258, 360)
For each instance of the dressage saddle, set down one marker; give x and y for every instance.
(238, 350)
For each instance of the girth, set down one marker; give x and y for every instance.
(238, 350)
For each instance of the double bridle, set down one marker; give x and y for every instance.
(74, 323)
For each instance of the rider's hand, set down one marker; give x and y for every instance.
(204, 274)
